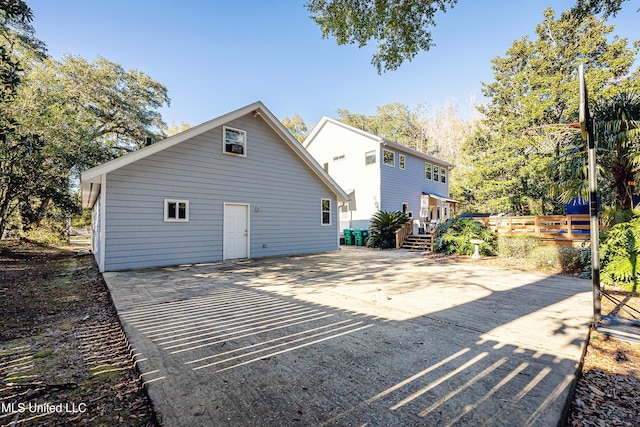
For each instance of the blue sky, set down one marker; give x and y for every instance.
(216, 56)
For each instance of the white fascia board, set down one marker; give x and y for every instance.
(376, 138)
(127, 159)
(388, 143)
(300, 150)
(94, 175)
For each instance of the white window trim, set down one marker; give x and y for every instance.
(224, 141)
(393, 154)
(375, 160)
(176, 201)
(322, 211)
(430, 171)
(408, 212)
(402, 162)
(443, 175)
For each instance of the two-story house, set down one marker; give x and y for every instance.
(380, 174)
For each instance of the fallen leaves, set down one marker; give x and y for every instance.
(63, 345)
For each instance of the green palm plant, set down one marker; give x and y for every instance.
(617, 133)
(619, 255)
(382, 230)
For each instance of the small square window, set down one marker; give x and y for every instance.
(370, 157)
(401, 161)
(427, 171)
(325, 207)
(176, 210)
(235, 141)
(389, 158)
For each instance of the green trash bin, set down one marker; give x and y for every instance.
(359, 235)
(348, 237)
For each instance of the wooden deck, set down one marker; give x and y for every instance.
(561, 230)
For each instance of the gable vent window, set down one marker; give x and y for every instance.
(176, 210)
(340, 157)
(235, 141)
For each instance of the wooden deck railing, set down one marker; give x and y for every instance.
(402, 233)
(559, 228)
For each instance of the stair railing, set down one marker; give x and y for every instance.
(403, 232)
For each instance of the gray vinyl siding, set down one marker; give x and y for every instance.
(271, 177)
(406, 186)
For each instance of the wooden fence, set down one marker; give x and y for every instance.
(563, 230)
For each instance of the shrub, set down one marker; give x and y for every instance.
(382, 230)
(514, 246)
(454, 236)
(619, 255)
(44, 236)
(568, 259)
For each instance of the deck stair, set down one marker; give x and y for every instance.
(420, 242)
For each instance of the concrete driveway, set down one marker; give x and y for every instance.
(353, 338)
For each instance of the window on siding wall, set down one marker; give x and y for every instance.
(369, 157)
(427, 171)
(176, 210)
(401, 161)
(235, 141)
(325, 207)
(443, 175)
(389, 158)
(436, 173)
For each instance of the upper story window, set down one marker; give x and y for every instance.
(176, 210)
(427, 171)
(389, 158)
(436, 173)
(325, 208)
(370, 157)
(340, 157)
(401, 161)
(235, 141)
(443, 175)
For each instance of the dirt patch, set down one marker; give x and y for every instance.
(64, 359)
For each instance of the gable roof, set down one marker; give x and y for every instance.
(384, 141)
(91, 179)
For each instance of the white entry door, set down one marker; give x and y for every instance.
(236, 231)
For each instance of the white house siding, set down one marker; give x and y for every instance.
(350, 172)
(271, 177)
(406, 186)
